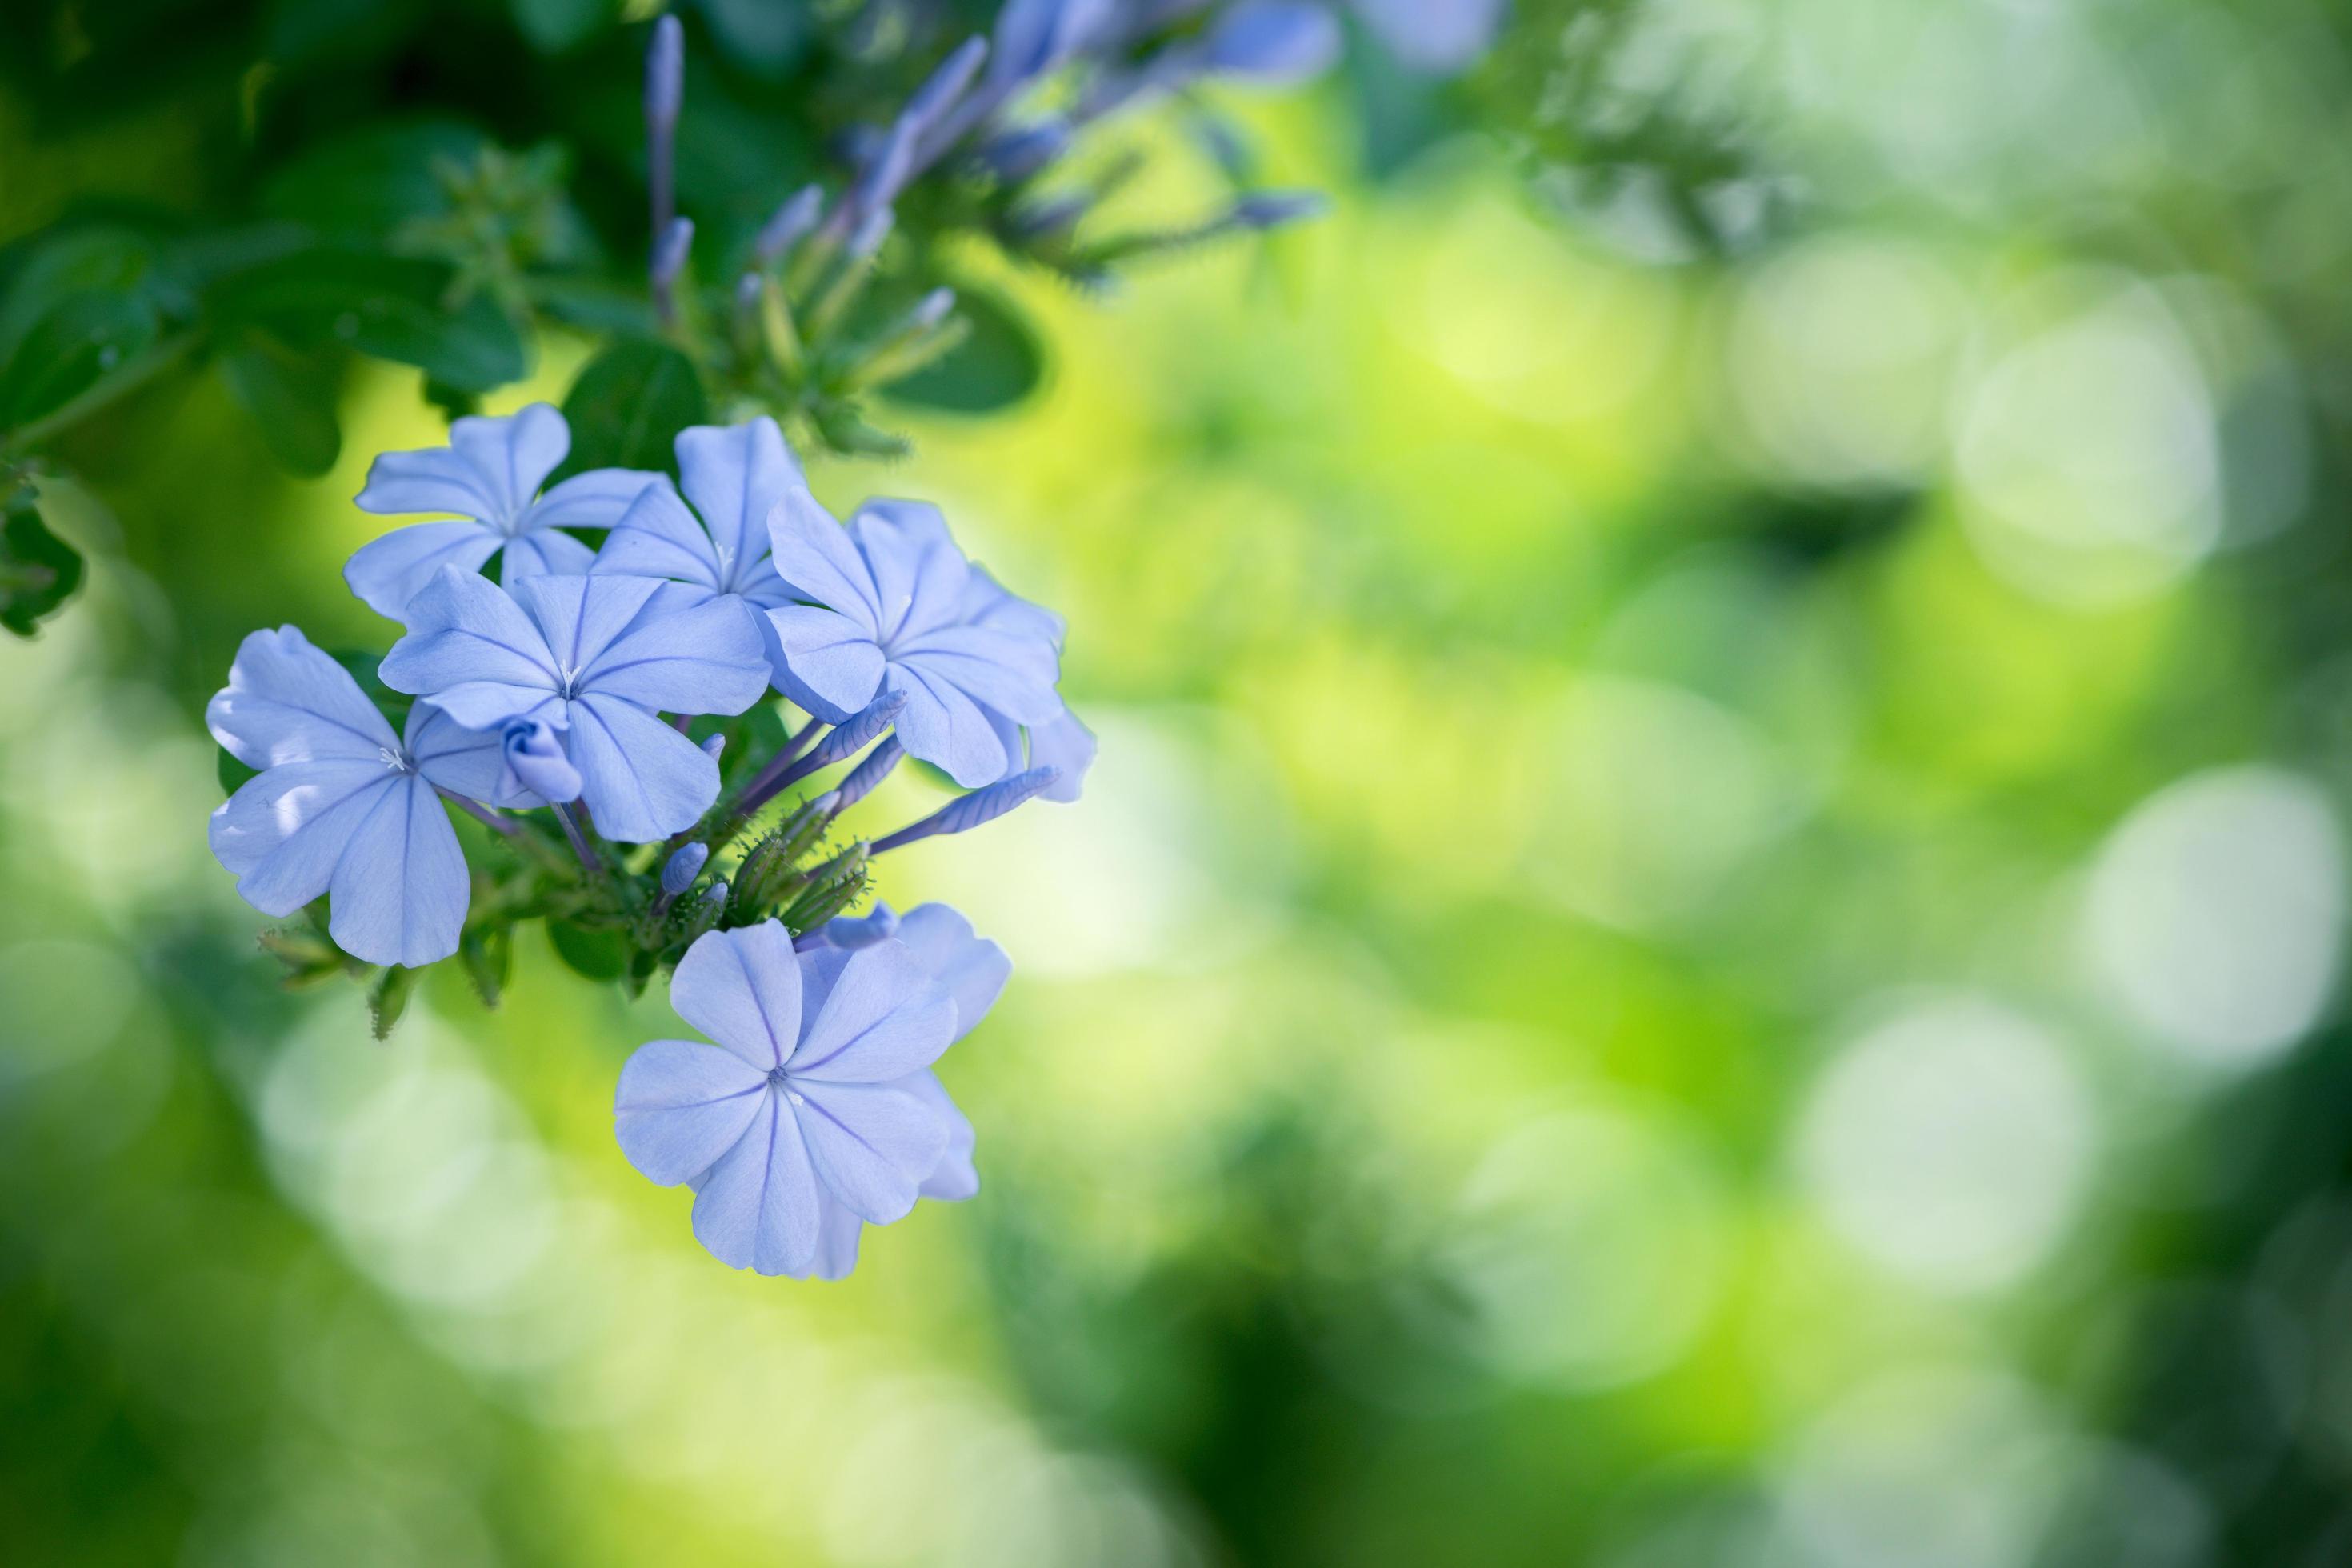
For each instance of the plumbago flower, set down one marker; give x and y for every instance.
(892, 604)
(341, 807)
(803, 1109)
(488, 476)
(596, 658)
(734, 476)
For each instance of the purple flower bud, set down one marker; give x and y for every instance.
(789, 226)
(664, 73)
(1275, 42)
(535, 760)
(715, 895)
(943, 86)
(967, 812)
(1264, 210)
(1026, 151)
(669, 253)
(868, 773)
(852, 733)
(713, 746)
(683, 868)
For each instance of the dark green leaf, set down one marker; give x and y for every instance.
(629, 404)
(393, 307)
(65, 350)
(291, 398)
(594, 953)
(372, 181)
(233, 775)
(39, 571)
(101, 259)
(999, 364)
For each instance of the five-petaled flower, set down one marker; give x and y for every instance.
(894, 604)
(596, 658)
(489, 477)
(344, 806)
(813, 1114)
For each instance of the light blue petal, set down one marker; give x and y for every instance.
(1063, 742)
(942, 726)
(705, 659)
(955, 1177)
(971, 968)
(885, 1018)
(399, 892)
(988, 603)
(490, 469)
(543, 552)
(464, 628)
(850, 933)
(1015, 676)
(872, 1144)
(579, 617)
(814, 555)
(681, 1105)
(286, 702)
(831, 655)
(735, 476)
(918, 573)
(641, 779)
(836, 1241)
(759, 1206)
(387, 573)
(277, 806)
(596, 499)
(658, 537)
(742, 988)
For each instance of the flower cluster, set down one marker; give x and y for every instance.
(610, 716)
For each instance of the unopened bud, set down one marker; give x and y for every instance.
(536, 764)
(967, 812)
(713, 746)
(683, 868)
(868, 773)
(664, 73)
(833, 888)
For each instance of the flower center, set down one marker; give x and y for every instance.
(570, 681)
(394, 761)
(779, 1079)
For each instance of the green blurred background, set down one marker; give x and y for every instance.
(1706, 933)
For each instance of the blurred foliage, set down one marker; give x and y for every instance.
(1709, 932)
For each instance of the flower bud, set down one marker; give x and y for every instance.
(833, 888)
(868, 773)
(536, 764)
(683, 868)
(713, 746)
(1273, 42)
(664, 73)
(967, 812)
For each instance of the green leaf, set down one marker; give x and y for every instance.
(393, 307)
(996, 366)
(101, 260)
(39, 571)
(291, 398)
(65, 350)
(233, 775)
(554, 25)
(629, 404)
(371, 182)
(595, 952)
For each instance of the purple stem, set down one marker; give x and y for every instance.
(498, 822)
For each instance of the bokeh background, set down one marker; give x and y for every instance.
(1707, 936)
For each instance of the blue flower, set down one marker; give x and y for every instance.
(342, 807)
(892, 604)
(488, 476)
(1060, 743)
(596, 658)
(804, 1107)
(734, 476)
(1274, 42)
